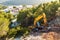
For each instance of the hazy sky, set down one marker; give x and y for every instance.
(3, 1)
(12, 0)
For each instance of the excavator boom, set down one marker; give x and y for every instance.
(39, 18)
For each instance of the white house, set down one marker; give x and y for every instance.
(14, 11)
(29, 6)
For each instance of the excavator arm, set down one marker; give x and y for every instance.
(39, 18)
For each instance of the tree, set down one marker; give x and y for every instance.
(4, 23)
(14, 6)
(2, 7)
(4, 26)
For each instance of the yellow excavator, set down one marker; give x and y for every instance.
(37, 25)
(39, 18)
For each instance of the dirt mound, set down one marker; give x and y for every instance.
(51, 36)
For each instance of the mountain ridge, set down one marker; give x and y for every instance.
(23, 2)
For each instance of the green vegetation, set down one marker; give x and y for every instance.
(2, 7)
(48, 8)
(4, 24)
(26, 18)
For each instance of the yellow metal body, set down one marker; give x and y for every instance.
(39, 18)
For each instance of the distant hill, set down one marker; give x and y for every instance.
(22, 2)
